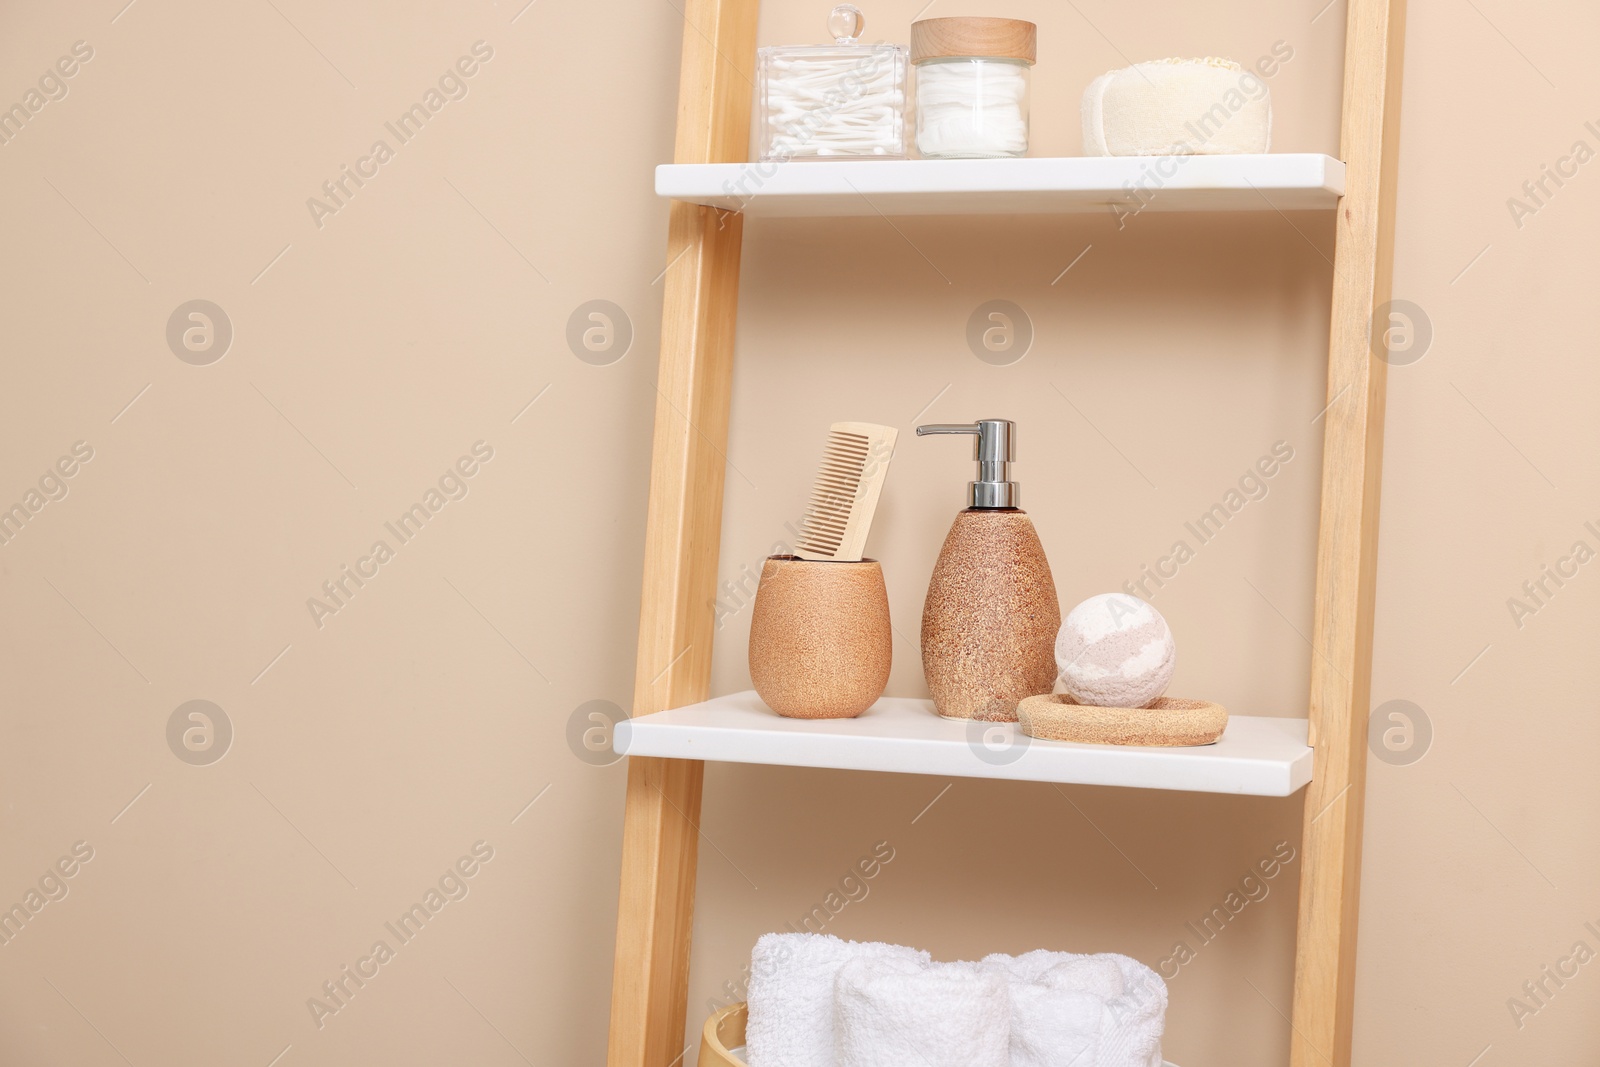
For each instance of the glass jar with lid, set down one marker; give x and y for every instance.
(972, 86)
(833, 101)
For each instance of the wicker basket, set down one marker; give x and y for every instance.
(722, 1041)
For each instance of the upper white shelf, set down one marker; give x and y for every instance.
(1257, 756)
(813, 188)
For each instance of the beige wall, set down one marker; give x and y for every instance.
(376, 746)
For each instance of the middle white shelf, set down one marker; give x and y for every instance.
(1257, 755)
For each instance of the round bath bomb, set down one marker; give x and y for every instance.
(1114, 651)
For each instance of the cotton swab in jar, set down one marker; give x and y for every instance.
(833, 101)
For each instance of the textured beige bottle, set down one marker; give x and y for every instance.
(990, 621)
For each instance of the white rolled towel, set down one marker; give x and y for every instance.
(1177, 107)
(907, 1013)
(1072, 1011)
(791, 995)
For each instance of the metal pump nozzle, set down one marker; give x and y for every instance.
(994, 448)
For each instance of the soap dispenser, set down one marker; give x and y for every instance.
(989, 624)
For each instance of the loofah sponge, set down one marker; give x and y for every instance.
(1116, 651)
(1177, 107)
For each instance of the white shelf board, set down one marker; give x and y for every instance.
(1256, 755)
(815, 188)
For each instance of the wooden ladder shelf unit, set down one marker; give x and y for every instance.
(662, 813)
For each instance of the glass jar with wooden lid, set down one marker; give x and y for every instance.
(972, 78)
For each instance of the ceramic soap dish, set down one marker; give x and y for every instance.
(1168, 722)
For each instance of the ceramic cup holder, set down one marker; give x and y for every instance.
(820, 642)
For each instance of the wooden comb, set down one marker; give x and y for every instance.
(839, 516)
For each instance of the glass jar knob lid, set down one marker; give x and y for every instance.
(846, 22)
